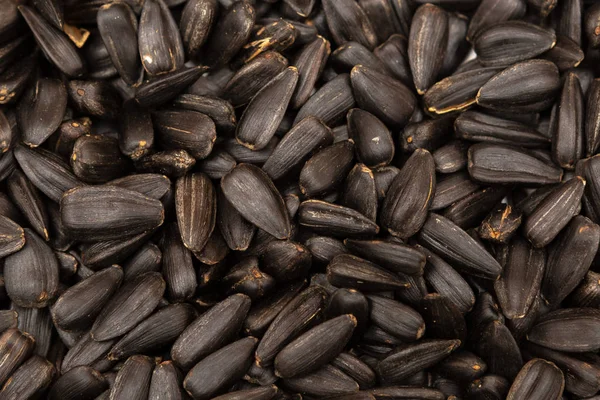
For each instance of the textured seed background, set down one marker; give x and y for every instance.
(299, 199)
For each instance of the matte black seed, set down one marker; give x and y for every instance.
(133, 379)
(97, 159)
(197, 20)
(16, 347)
(348, 22)
(332, 219)
(325, 382)
(353, 272)
(331, 102)
(324, 171)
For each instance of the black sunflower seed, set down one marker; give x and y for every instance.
(324, 171)
(451, 157)
(393, 53)
(277, 36)
(166, 382)
(332, 219)
(30, 379)
(97, 159)
(501, 224)
(219, 110)
(567, 124)
(196, 23)
(177, 267)
(348, 22)
(566, 54)
(397, 319)
(489, 386)
(133, 379)
(79, 382)
(325, 382)
(491, 12)
(374, 144)
(16, 347)
(330, 103)
(356, 273)
(310, 61)
(462, 366)
(173, 163)
(538, 373)
(165, 87)
(428, 134)
(444, 320)
(568, 329)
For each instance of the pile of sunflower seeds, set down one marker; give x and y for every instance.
(299, 199)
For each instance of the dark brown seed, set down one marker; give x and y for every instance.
(335, 220)
(451, 157)
(470, 210)
(68, 132)
(455, 245)
(87, 352)
(491, 12)
(447, 282)
(31, 275)
(509, 42)
(97, 57)
(15, 348)
(393, 53)
(285, 260)
(265, 111)
(212, 84)
(118, 27)
(374, 144)
(356, 369)
(569, 259)
(451, 188)
(499, 349)
(155, 186)
(13, 81)
(219, 110)
(500, 164)
(133, 379)
(592, 119)
(581, 371)
(157, 330)
(81, 382)
(428, 134)
(174, 163)
(79, 305)
(55, 45)
(323, 383)
(232, 31)
(554, 212)
(108, 212)
(412, 358)
(569, 22)
(538, 379)
(218, 164)
(394, 256)
(353, 272)
(427, 45)
(196, 205)
(211, 331)
(160, 45)
(443, 319)
(348, 22)
(130, 304)
(308, 135)
(569, 329)
(246, 277)
(12, 237)
(166, 382)
(407, 201)
(253, 194)
(37, 323)
(383, 96)
(330, 103)
(485, 311)
(136, 134)
(167, 86)
(566, 54)
(242, 154)
(350, 54)
(217, 372)
(30, 380)
(310, 61)
(300, 358)
(327, 169)
(351, 301)
(299, 314)
(360, 191)
(567, 124)
(493, 387)
(52, 10)
(94, 98)
(97, 159)
(105, 253)
(480, 127)
(49, 173)
(177, 267)
(147, 259)
(528, 86)
(458, 91)
(462, 366)
(521, 279)
(396, 318)
(236, 231)
(277, 36)
(323, 248)
(196, 23)
(41, 110)
(501, 224)
(250, 78)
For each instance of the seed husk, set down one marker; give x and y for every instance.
(197, 20)
(210, 331)
(41, 110)
(12, 237)
(55, 45)
(356, 273)
(298, 315)
(411, 358)
(374, 143)
(449, 241)
(217, 372)
(335, 220)
(173, 163)
(509, 42)
(133, 379)
(326, 170)
(117, 213)
(462, 366)
(160, 52)
(348, 22)
(383, 96)
(428, 134)
(253, 194)
(469, 211)
(167, 86)
(97, 159)
(230, 33)
(118, 28)
(554, 212)
(538, 373)
(506, 90)
(130, 304)
(177, 267)
(71, 312)
(31, 275)
(330, 103)
(501, 224)
(277, 35)
(427, 45)
(497, 164)
(407, 201)
(219, 110)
